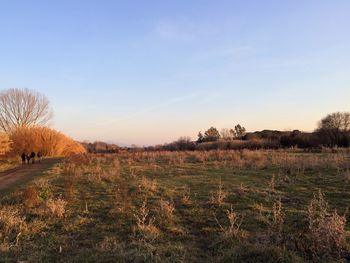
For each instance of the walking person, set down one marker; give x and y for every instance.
(23, 157)
(32, 156)
(28, 159)
(40, 156)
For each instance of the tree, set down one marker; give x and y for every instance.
(50, 142)
(200, 137)
(334, 129)
(23, 108)
(5, 143)
(212, 134)
(336, 121)
(226, 134)
(184, 143)
(238, 132)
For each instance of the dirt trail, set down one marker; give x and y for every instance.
(22, 173)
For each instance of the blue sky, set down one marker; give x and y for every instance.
(147, 72)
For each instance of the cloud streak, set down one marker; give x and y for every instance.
(152, 108)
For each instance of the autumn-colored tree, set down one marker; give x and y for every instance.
(49, 141)
(5, 143)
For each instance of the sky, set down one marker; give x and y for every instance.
(147, 72)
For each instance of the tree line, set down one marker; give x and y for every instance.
(332, 131)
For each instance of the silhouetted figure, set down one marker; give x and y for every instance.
(23, 157)
(40, 156)
(32, 156)
(28, 159)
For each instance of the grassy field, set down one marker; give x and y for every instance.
(219, 206)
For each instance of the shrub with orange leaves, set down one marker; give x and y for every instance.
(5, 143)
(49, 141)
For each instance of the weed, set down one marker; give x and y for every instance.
(145, 223)
(217, 197)
(327, 230)
(56, 207)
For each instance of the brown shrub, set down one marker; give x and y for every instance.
(12, 222)
(217, 197)
(145, 223)
(186, 196)
(148, 185)
(233, 229)
(166, 209)
(31, 196)
(49, 141)
(327, 230)
(276, 222)
(56, 207)
(5, 143)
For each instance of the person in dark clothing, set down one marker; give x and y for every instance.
(28, 159)
(32, 156)
(40, 156)
(23, 157)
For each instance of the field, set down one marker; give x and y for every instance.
(217, 206)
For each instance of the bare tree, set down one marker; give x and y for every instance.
(338, 121)
(226, 134)
(23, 108)
(334, 129)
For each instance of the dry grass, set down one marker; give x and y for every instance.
(218, 196)
(186, 196)
(30, 196)
(145, 227)
(12, 223)
(327, 229)
(148, 185)
(56, 207)
(276, 224)
(233, 229)
(166, 209)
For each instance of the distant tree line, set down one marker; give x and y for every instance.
(100, 147)
(332, 131)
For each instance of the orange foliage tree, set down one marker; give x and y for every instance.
(49, 141)
(5, 143)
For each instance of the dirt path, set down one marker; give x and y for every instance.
(23, 173)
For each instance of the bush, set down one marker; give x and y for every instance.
(50, 142)
(56, 207)
(327, 230)
(30, 196)
(5, 143)
(11, 222)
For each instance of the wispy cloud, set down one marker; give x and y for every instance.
(155, 107)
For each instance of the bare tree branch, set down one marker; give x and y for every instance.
(23, 108)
